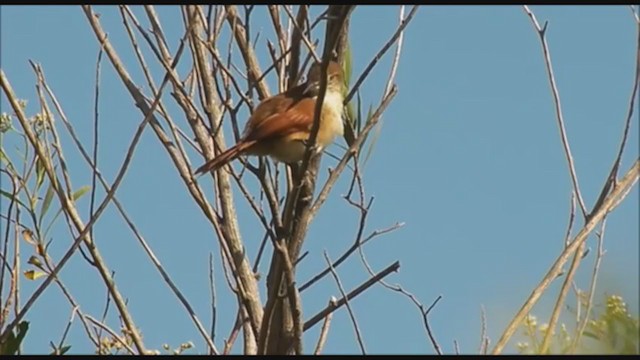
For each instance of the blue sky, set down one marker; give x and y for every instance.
(469, 158)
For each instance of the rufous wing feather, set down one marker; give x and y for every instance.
(225, 157)
(296, 118)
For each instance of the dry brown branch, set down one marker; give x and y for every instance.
(231, 247)
(299, 33)
(424, 311)
(274, 13)
(352, 294)
(354, 322)
(249, 56)
(359, 242)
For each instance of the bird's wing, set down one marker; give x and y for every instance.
(288, 118)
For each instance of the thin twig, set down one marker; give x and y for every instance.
(484, 339)
(112, 333)
(303, 37)
(396, 35)
(357, 243)
(325, 330)
(96, 121)
(355, 292)
(66, 329)
(582, 325)
(556, 100)
(212, 287)
(351, 314)
(560, 301)
(328, 185)
(228, 344)
(424, 312)
(572, 216)
(627, 124)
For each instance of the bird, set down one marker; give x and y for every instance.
(280, 126)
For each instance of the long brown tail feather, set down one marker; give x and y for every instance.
(225, 157)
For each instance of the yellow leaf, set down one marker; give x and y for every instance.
(33, 260)
(28, 236)
(33, 275)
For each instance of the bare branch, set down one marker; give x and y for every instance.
(484, 339)
(582, 325)
(325, 330)
(346, 302)
(572, 216)
(214, 312)
(566, 285)
(424, 312)
(627, 125)
(355, 292)
(357, 244)
(556, 100)
(396, 35)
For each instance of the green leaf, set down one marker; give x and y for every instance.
(78, 193)
(359, 118)
(61, 351)
(590, 334)
(347, 64)
(46, 202)
(11, 197)
(375, 137)
(349, 133)
(12, 343)
(39, 173)
(3, 157)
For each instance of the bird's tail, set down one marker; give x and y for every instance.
(223, 158)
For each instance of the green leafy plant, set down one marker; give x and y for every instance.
(12, 345)
(611, 330)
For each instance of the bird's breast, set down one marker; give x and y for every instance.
(331, 124)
